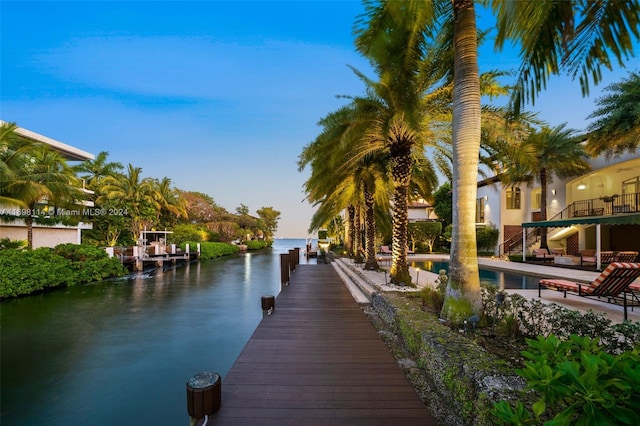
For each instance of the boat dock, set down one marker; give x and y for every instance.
(317, 360)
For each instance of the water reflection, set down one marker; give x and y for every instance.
(120, 352)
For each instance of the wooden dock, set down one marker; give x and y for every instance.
(317, 360)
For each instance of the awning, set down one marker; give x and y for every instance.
(618, 219)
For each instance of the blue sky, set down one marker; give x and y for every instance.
(220, 97)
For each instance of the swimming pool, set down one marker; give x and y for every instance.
(502, 279)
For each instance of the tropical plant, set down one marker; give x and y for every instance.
(34, 175)
(577, 383)
(93, 171)
(412, 96)
(341, 180)
(617, 125)
(172, 205)
(136, 195)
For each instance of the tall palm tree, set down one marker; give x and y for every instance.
(172, 205)
(93, 171)
(412, 73)
(577, 36)
(546, 152)
(337, 182)
(617, 125)
(137, 195)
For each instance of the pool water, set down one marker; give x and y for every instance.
(502, 279)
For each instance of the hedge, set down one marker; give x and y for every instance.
(29, 271)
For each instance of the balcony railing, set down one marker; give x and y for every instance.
(602, 206)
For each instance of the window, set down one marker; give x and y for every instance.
(480, 210)
(513, 198)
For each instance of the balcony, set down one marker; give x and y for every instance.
(603, 206)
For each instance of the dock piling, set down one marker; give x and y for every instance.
(284, 268)
(204, 395)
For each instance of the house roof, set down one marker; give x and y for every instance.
(67, 151)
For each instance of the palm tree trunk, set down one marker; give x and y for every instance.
(543, 207)
(357, 242)
(351, 211)
(370, 225)
(401, 164)
(463, 292)
(29, 222)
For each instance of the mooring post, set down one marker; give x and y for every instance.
(284, 268)
(292, 260)
(297, 256)
(268, 304)
(204, 395)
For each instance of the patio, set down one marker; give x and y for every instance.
(582, 304)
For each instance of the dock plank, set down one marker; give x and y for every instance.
(317, 360)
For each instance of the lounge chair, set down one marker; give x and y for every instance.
(626, 256)
(557, 252)
(542, 254)
(385, 250)
(615, 284)
(589, 256)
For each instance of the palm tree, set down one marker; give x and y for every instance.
(577, 36)
(546, 152)
(172, 205)
(137, 195)
(93, 171)
(35, 174)
(409, 99)
(14, 154)
(617, 125)
(337, 182)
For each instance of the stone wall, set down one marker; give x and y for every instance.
(458, 380)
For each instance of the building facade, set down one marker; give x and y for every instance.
(599, 210)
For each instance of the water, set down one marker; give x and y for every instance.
(121, 352)
(502, 279)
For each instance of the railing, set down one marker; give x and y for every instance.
(602, 206)
(514, 244)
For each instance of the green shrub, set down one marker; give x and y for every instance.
(30, 271)
(6, 243)
(577, 383)
(487, 238)
(184, 233)
(256, 244)
(432, 299)
(79, 252)
(212, 250)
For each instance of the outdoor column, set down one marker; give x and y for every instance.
(598, 242)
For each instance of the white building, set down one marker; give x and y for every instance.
(599, 210)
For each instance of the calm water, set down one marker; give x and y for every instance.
(502, 279)
(120, 352)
